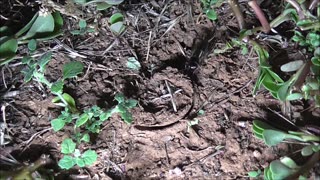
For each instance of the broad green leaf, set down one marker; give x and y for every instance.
(103, 6)
(307, 151)
(82, 24)
(66, 162)
(254, 174)
(68, 146)
(271, 86)
(117, 17)
(57, 124)
(8, 48)
(283, 91)
(114, 2)
(294, 96)
(82, 120)
(279, 170)
(72, 69)
(211, 14)
(262, 125)
(44, 60)
(69, 99)
(289, 162)
(89, 157)
(80, 162)
(43, 24)
(117, 27)
(273, 137)
(57, 87)
(291, 66)
(32, 45)
(133, 64)
(275, 76)
(85, 138)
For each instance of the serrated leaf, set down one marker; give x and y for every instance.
(57, 87)
(66, 162)
(133, 64)
(82, 120)
(117, 17)
(68, 146)
(57, 124)
(105, 115)
(119, 97)
(126, 116)
(291, 66)
(89, 157)
(72, 69)
(43, 24)
(44, 60)
(85, 138)
(80, 162)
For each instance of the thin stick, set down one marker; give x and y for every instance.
(171, 97)
(149, 42)
(237, 12)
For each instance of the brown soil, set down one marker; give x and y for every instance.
(159, 144)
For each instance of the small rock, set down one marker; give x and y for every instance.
(256, 154)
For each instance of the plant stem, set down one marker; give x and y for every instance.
(260, 15)
(234, 4)
(297, 6)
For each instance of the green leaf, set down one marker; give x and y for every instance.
(103, 6)
(117, 17)
(105, 115)
(80, 1)
(82, 24)
(82, 120)
(279, 170)
(28, 73)
(72, 69)
(32, 45)
(291, 66)
(307, 151)
(114, 2)
(80, 162)
(76, 32)
(316, 61)
(69, 99)
(43, 24)
(133, 64)
(57, 124)
(44, 60)
(27, 27)
(273, 137)
(131, 103)
(117, 27)
(254, 174)
(85, 138)
(26, 59)
(68, 146)
(294, 96)
(119, 97)
(57, 87)
(211, 14)
(66, 162)
(89, 157)
(283, 91)
(8, 48)
(289, 162)
(126, 116)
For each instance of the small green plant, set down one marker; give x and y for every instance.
(286, 167)
(83, 28)
(43, 26)
(117, 23)
(208, 8)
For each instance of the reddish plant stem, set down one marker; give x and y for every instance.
(297, 6)
(260, 15)
(234, 4)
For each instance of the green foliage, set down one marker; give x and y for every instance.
(41, 27)
(133, 64)
(117, 23)
(73, 156)
(208, 8)
(254, 174)
(83, 28)
(123, 107)
(286, 167)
